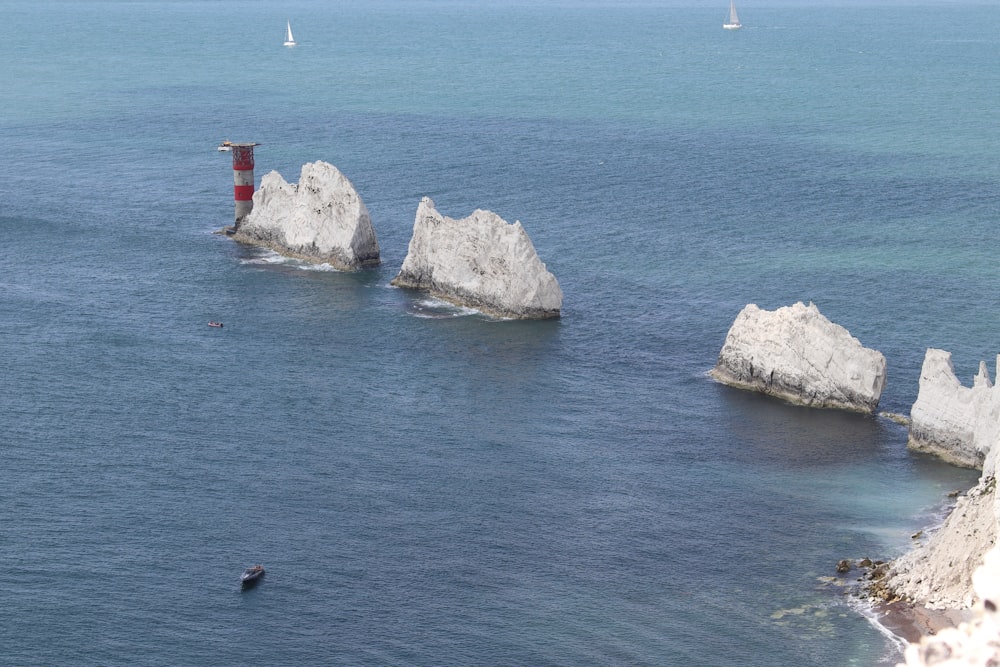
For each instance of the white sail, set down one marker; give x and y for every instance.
(289, 40)
(734, 21)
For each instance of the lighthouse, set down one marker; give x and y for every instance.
(243, 179)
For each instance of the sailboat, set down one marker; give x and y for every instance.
(289, 40)
(734, 21)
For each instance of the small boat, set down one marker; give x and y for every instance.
(289, 40)
(734, 21)
(251, 576)
(218, 325)
(226, 146)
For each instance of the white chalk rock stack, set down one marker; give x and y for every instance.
(321, 219)
(797, 354)
(959, 424)
(481, 262)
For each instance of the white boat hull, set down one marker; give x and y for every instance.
(734, 19)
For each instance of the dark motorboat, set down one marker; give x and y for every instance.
(251, 576)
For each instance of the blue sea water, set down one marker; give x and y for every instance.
(425, 485)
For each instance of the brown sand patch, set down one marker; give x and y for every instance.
(911, 622)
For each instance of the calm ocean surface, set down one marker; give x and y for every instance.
(424, 485)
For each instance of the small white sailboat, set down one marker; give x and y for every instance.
(734, 21)
(289, 40)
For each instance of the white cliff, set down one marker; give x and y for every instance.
(938, 574)
(974, 643)
(797, 354)
(321, 219)
(482, 262)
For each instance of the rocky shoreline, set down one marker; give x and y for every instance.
(941, 597)
(901, 617)
(911, 625)
(948, 585)
(967, 637)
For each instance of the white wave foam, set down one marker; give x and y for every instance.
(306, 266)
(266, 256)
(263, 256)
(897, 644)
(428, 307)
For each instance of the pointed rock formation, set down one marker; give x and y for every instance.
(321, 219)
(797, 354)
(956, 423)
(482, 262)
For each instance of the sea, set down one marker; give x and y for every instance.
(426, 485)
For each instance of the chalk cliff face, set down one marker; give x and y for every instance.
(321, 219)
(797, 354)
(481, 262)
(939, 573)
(948, 420)
(974, 643)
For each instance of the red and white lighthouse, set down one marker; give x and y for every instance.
(243, 179)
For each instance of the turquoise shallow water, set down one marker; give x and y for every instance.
(427, 486)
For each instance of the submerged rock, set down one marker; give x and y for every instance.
(797, 354)
(958, 424)
(321, 219)
(482, 262)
